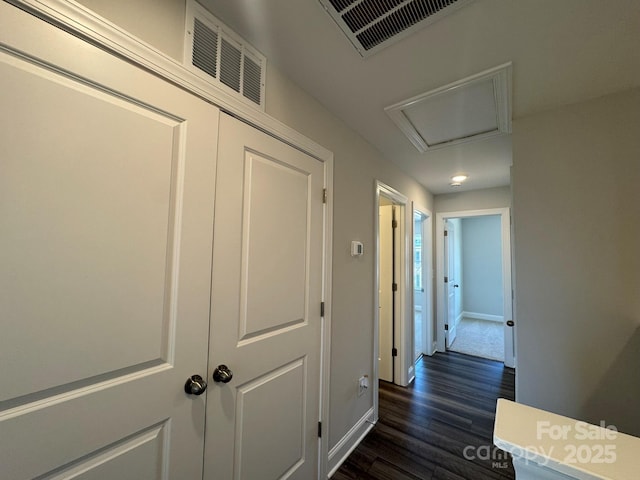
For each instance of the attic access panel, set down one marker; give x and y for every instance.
(470, 109)
(372, 25)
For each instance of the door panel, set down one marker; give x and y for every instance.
(133, 459)
(106, 205)
(265, 309)
(419, 296)
(274, 266)
(450, 262)
(285, 421)
(385, 335)
(77, 218)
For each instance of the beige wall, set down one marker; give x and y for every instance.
(160, 23)
(499, 197)
(576, 184)
(357, 166)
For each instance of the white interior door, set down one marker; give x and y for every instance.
(385, 335)
(419, 280)
(265, 309)
(509, 324)
(451, 285)
(106, 206)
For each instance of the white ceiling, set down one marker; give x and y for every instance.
(563, 51)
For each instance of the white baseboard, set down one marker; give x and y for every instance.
(459, 318)
(347, 444)
(483, 316)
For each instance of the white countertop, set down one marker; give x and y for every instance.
(569, 446)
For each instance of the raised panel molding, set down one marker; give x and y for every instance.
(271, 418)
(73, 236)
(140, 456)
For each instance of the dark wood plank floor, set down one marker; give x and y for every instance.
(440, 427)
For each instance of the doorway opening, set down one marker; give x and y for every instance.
(393, 331)
(474, 284)
(388, 285)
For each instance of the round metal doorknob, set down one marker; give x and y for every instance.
(222, 374)
(510, 323)
(195, 385)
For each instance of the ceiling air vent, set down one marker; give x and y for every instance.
(220, 56)
(372, 25)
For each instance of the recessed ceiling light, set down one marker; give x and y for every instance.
(459, 178)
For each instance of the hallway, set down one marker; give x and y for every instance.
(480, 338)
(440, 428)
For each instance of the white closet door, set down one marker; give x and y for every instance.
(265, 310)
(106, 210)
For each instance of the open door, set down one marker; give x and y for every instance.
(509, 324)
(386, 303)
(420, 281)
(451, 282)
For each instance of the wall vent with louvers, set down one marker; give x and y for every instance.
(372, 25)
(220, 56)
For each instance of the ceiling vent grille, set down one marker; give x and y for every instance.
(372, 25)
(220, 56)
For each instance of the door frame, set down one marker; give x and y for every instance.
(403, 367)
(505, 225)
(91, 27)
(427, 281)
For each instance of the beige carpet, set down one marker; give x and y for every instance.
(481, 338)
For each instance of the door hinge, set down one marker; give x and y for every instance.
(394, 223)
(320, 429)
(446, 233)
(446, 326)
(324, 195)
(394, 352)
(394, 287)
(322, 309)
(446, 279)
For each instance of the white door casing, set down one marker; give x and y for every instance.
(106, 204)
(265, 309)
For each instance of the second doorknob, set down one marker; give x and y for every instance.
(222, 374)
